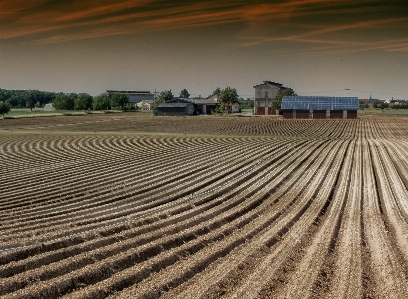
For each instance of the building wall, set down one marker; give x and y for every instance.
(175, 111)
(144, 105)
(302, 114)
(135, 96)
(319, 114)
(288, 114)
(264, 95)
(48, 107)
(266, 111)
(266, 91)
(351, 114)
(233, 107)
(189, 109)
(171, 111)
(215, 98)
(336, 114)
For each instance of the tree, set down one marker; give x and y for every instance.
(130, 107)
(29, 102)
(4, 108)
(118, 100)
(383, 105)
(4, 95)
(83, 102)
(101, 102)
(64, 101)
(47, 97)
(26, 98)
(184, 94)
(277, 102)
(228, 96)
(163, 97)
(246, 104)
(216, 91)
(219, 109)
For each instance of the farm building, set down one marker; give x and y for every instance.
(265, 93)
(176, 107)
(204, 106)
(192, 107)
(135, 96)
(319, 107)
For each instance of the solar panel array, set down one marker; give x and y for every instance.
(320, 103)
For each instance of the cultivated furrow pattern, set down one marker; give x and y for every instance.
(130, 206)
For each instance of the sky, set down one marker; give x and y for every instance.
(317, 47)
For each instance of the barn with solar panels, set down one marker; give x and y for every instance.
(319, 107)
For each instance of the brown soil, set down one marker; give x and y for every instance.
(129, 206)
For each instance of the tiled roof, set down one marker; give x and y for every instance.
(130, 91)
(197, 101)
(270, 83)
(173, 105)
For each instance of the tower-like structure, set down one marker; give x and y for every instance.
(265, 93)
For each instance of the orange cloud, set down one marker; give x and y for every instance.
(102, 9)
(87, 17)
(83, 20)
(195, 14)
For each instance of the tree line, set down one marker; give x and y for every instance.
(64, 101)
(26, 98)
(84, 101)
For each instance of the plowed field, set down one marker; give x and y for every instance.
(122, 206)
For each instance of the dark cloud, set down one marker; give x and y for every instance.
(59, 21)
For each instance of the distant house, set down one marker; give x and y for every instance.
(265, 93)
(229, 108)
(135, 96)
(232, 108)
(373, 101)
(320, 107)
(48, 107)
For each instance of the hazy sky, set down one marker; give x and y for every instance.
(317, 47)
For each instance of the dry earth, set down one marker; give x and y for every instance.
(122, 206)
